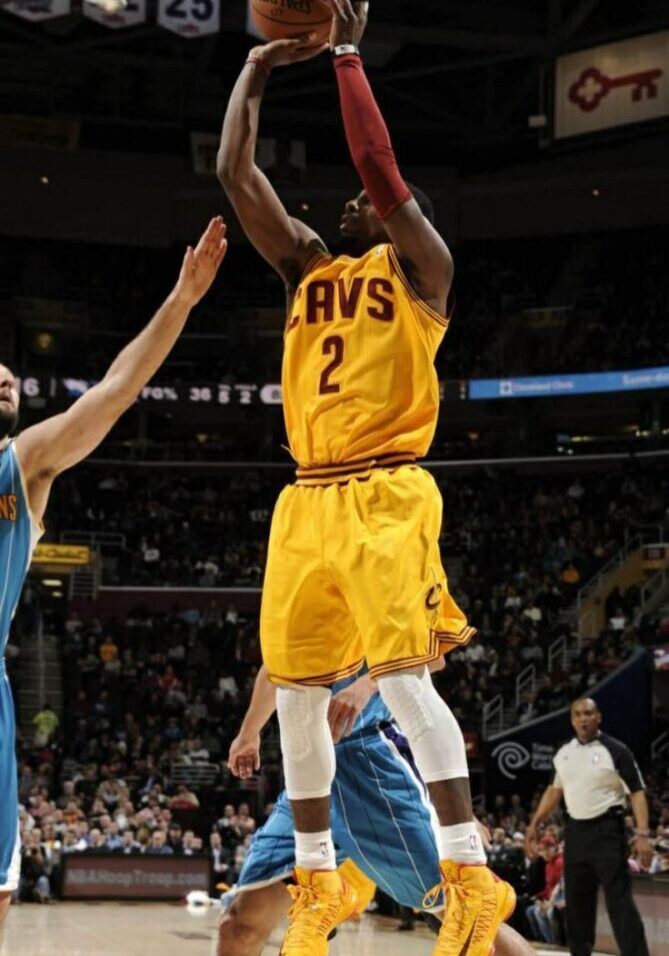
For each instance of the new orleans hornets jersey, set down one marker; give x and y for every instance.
(358, 377)
(18, 536)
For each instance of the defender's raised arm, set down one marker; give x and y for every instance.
(52, 446)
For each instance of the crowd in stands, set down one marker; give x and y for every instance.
(564, 304)
(515, 536)
(137, 762)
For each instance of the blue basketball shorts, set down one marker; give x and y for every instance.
(380, 818)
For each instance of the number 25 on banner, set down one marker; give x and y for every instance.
(190, 18)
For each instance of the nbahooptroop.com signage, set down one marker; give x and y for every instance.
(612, 85)
(112, 876)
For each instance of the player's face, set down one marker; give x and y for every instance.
(9, 402)
(360, 221)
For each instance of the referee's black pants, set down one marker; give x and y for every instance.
(596, 854)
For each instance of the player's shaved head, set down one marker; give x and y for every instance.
(424, 202)
(9, 402)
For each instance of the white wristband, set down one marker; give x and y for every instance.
(346, 48)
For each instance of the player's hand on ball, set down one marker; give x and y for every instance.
(285, 52)
(349, 21)
(244, 756)
(201, 264)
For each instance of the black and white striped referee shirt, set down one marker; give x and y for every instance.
(595, 777)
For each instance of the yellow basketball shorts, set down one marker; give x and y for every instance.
(353, 574)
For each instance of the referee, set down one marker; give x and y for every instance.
(594, 773)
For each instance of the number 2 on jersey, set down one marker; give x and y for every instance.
(332, 345)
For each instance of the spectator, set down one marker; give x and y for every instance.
(129, 844)
(220, 860)
(184, 799)
(46, 724)
(33, 881)
(539, 914)
(174, 838)
(158, 845)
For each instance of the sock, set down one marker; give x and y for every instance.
(462, 844)
(315, 851)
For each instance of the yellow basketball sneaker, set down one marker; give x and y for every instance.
(322, 901)
(364, 888)
(477, 903)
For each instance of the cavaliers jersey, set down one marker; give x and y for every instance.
(358, 377)
(18, 536)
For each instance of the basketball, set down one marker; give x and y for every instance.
(285, 19)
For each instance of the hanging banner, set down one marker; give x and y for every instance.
(612, 85)
(39, 9)
(134, 13)
(190, 18)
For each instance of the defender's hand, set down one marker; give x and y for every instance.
(201, 264)
(244, 756)
(285, 52)
(349, 21)
(346, 707)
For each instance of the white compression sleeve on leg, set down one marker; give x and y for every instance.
(433, 732)
(306, 741)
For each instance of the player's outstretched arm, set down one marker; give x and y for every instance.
(286, 243)
(418, 244)
(60, 442)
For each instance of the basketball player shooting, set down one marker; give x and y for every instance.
(29, 464)
(354, 571)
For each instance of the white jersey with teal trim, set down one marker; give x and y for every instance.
(18, 537)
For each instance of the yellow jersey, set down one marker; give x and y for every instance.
(358, 378)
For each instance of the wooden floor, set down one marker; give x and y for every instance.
(140, 929)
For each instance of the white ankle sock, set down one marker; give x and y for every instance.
(461, 843)
(315, 851)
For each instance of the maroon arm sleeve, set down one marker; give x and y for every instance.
(368, 138)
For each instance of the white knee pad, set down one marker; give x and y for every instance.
(433, 732)
(306, 741)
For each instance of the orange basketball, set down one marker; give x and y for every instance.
(284, 19)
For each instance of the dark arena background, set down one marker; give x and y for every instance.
(540, 130)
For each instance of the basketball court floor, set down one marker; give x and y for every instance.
(140, 929)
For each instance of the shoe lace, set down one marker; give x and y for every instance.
(452, 892)
(308, 913)
(457, 900)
